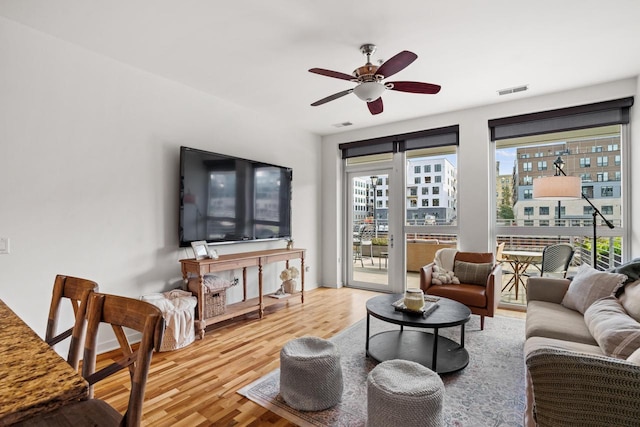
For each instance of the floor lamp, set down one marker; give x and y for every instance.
(563, 187)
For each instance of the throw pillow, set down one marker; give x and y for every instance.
(442, 276)
(590, 285)
(635, 357)
(630, 299)
(617, 333)
(472, 273)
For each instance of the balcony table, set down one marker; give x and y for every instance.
(33, 377)
(520, 261)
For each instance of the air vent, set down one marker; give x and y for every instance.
(513, 90)
(343, 124)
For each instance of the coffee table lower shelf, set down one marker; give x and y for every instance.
(418, 346)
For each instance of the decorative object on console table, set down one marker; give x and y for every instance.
(289, 284)
(201, 250)
(289, 244)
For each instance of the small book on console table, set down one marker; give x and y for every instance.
(278, 296)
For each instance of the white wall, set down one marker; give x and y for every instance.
(475, 165)
(89, 151)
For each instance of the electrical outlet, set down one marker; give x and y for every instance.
(4, 245)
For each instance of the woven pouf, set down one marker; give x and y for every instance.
(310, 374)
(404, 393)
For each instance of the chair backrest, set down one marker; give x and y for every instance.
(475, 257)
(556, 258)
(129, 313)
(77, 291)
(499, 250)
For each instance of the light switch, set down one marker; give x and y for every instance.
(4, 245)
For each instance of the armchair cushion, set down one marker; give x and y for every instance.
(472, 273)
(442, 276)
(630, 299)
(590, 285)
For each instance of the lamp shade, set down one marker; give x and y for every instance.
(369, 91)
(557, 188)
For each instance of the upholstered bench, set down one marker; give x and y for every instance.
(310, 374)
(404, 393)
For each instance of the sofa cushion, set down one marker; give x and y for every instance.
(551, 320)
(472, 273)
(590, 285)
(630, 299)
(536, 343)
(617, 333)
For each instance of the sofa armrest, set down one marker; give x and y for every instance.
(571, 388)
(494, 288)
(547, 289)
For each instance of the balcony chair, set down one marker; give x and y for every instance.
(120, 312)
(363, 240)
(479, 287)
(556, 259)
(77, 291)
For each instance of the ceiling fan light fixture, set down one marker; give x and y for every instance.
(369, 91)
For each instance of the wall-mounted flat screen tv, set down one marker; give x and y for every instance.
(230, 199)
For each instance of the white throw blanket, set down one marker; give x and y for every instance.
(177, 307)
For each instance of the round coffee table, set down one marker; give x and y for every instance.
(440, 354)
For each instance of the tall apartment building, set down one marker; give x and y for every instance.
(595, 160)
(431, 193)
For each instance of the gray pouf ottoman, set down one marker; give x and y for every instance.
(310, 374)
(404, 393)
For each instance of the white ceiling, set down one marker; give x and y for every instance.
(256, 53)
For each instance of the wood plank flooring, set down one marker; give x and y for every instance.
(197, 385)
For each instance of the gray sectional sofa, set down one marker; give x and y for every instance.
(576, 373)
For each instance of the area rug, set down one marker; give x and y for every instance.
(488, 392)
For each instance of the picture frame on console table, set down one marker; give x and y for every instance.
(201, 250)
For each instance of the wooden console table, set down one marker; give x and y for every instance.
(198, 268)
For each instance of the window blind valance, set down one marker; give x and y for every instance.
(563, 119)
(438, 137)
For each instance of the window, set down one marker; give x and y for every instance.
(425, 202)
(596, 149)
(587, 210)
(436, 202)
(616, 160)
(413, 191)
(542, 165)
(606, 191)
(613, 147)
(527, 180)
(427, 180)
(413, 203)
(588, 191)
(563, 211)
(603, 161)
(543, 223)
(427, 168)
(543, 210)
(528, 210)
(437, 167)
(528, 194)
(585, 162)
(437, 179)
(585, 177)
(607, 210)
(435, 190)
(527, 167)
(425, 190)
(416, 180)
(602, 176)
(416, 169)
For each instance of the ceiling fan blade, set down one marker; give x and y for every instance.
(375, 107)
(332, 97)
(414, 87)
(334, 74)
(397, 63)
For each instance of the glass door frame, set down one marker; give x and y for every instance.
(396, 271)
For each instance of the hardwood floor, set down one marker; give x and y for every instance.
(197, 385)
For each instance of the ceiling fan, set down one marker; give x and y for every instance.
(369, 78)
